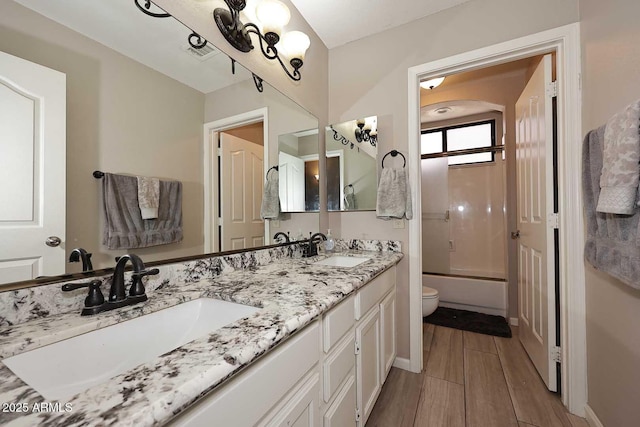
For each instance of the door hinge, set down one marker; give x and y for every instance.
(552, 89)
(357, 348)
(219, 221)
(553, 220)
(219, 152)
(357, 414)
(556, 354)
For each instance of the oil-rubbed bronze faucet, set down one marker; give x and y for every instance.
(312, 248)
(279, 234)
(95, 303)
(79, 254)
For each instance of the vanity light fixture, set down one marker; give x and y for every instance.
(432, 83)
(364, 132)
(273, 15)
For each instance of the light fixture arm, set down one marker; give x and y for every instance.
(238, 35)
(271, 52)
(196, 41)
(146, 9)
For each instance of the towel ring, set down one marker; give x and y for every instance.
(270, 169)
(394, 153)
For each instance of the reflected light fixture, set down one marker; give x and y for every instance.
(364, 132)
(273, 15)
(432, 83)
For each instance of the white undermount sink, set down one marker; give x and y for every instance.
(63, 369)
(342, 261)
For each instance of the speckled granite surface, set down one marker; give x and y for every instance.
(291, 291)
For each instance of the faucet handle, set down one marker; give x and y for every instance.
(95, 297)
(137, 287)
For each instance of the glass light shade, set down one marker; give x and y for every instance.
(432, 83)
(294, 44)
(273, 15)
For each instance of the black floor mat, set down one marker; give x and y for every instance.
(470, 321)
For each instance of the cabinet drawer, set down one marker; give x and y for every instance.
(373, 292)
(337, 322)
(338, 365)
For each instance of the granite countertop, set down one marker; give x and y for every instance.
(290, 292)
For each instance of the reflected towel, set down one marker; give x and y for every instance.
(349, 198)
(394, 195)
(270, 208)
(350, 202)
(148, 196)
(124, 227)
(620, 172)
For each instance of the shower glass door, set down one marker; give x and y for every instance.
(463, 202)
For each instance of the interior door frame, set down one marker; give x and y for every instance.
(565, 41)
(210, 167)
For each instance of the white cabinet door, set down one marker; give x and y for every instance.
(342, 412)
(369, 380)
(302, 407)
(388, 333)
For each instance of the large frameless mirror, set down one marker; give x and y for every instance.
(139, 91)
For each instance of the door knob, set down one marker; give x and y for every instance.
(53, 241)
(515, 234)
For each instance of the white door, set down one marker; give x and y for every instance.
(291, 175)
(241, 184)
(536, 262)
(32, 169)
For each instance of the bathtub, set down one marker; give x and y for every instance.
(467, 293)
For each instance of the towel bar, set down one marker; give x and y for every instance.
(395, 153)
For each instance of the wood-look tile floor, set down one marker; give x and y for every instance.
(470, 380)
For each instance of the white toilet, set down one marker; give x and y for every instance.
(430, 299)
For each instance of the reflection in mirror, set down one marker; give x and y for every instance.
(351, 165)
(299, 171)
(137, 97)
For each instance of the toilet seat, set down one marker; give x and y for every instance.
(429, 292)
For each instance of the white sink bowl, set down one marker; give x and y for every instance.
(66, 368)
(342, 261)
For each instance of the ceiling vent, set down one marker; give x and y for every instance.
(202, 54)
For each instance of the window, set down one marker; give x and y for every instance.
(450, 139)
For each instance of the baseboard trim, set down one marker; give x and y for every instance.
(513, 321)
(591, 417)
(402, 363)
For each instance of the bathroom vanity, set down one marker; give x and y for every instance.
(316, 351)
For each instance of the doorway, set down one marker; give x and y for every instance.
(565, 42)
(487, 199)
(234, 175)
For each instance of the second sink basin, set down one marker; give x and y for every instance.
(342, 261)
(63, 369)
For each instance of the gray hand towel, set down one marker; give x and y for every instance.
(270, 207)
(394, 195)
(620, 172)
(613, 241)
(124, 227)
